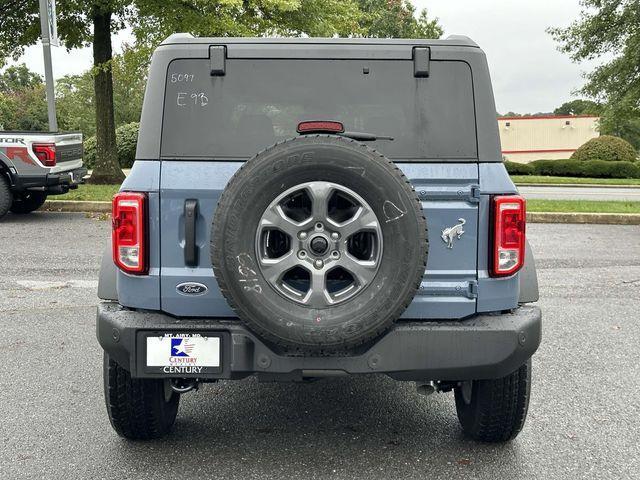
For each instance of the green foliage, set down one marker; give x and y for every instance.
(22, 100)
(586, 168)
(606, 147)
(514, 168)
(126, 141)
(18, 78)
(579, 107)
(610, 30)
(396, 19)
(76, 100)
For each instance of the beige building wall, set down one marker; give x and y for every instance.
(525, 139)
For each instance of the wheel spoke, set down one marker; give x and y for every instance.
(317, 295)
(320, 193)
(274, 268)
(364, 219)
(362, 270)
(275, 217)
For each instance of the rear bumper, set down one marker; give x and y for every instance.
(51, 183)
(485, 346)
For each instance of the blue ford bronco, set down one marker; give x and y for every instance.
(307, 208)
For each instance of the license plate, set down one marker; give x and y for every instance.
(183, 353)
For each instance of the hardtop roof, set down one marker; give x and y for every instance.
(451, 41)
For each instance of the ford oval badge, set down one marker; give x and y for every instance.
(191, 289)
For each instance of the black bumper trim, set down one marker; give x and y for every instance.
(485, 346)
(49, 181)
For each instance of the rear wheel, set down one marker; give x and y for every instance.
(5, 196)
(28, 202)
(139, 409)
(495, 410)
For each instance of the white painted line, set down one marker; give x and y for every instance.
(50, 285)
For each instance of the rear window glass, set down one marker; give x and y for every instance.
(260, 102)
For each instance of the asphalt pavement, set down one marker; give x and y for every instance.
(584, 417)
(559, 192)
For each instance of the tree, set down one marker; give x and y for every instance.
(22, 100)
(609, 29)
(579, 107)
(396, 19)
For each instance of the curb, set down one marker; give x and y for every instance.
(532, 217)
(593, 218)
(76, 206)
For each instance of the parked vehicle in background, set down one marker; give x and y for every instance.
(34, 165)
(308, 208)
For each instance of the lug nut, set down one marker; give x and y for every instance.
(319, 263)
(302, 254)
(335, 254)
(318, 226)
(302, 235)
(335, 236)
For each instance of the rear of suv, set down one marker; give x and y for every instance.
(306, 208)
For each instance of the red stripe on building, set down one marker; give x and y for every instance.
(548, 117)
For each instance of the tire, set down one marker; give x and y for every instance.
(139, 409)
(28, 202)
(498, 408)
(377, 184)
(5, 196)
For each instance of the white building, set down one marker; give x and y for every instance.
(525, 139)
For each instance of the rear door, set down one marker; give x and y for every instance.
(213, 123)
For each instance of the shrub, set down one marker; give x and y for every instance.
(89, 157)
(588, 168)
(608, 148)
(515, 168)
(126, 142)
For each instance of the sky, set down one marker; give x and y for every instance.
(529, 74)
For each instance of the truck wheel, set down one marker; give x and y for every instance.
(139, 409)
(319, 243)
(5, 196)
(494, 410)
(28, 202)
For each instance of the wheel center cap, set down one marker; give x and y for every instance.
(319, 245)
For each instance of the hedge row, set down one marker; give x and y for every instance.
(576, 168)
(126, 141)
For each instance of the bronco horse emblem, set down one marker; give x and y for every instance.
(449, 234)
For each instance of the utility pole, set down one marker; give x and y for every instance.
(49, 36)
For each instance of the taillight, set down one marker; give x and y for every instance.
(509, 226)
(46, 153)
(129, 232)
(320, 127)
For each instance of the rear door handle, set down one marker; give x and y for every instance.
(190, 247)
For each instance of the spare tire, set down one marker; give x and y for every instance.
(319, 243)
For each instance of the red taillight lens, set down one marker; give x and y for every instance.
(509, 229)
(46, 153)
(320, 127)
(128, 236)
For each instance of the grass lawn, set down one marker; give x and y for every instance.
(89, 192)
(582, 206)
(524, 179)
